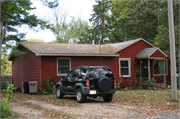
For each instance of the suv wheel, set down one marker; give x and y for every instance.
(59, 93)
(79, 96)
(108, 98)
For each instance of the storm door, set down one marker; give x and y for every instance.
(144, 70)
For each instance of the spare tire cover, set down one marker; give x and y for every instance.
(104, 84)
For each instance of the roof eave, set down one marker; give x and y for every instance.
(60, 54)
(142, 57)
(29, 48)
(159, 51)
(147, 57)
(162, 52)
(10, 56)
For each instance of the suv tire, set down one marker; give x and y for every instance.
(59, 93)
(108, 98)
(104, 84)
(79, 96)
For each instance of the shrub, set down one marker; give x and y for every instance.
(134, 81)
(50, 83)
(151, 82)
(118, 85)
(5, 112)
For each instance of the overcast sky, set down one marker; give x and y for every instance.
(78, 8)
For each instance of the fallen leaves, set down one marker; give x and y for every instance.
(155, 101)
(145, 102)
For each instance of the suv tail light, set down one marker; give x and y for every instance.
(87, 83)
(114, 83)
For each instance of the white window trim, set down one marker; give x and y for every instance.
(129, 63)
(69, 66)
(166, 68)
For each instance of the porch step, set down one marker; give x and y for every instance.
(160, 85)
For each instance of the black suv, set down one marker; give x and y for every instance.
(89, 81)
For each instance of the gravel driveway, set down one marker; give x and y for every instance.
(92, 108)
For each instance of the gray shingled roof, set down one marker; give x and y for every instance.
(61, 48)
(121, 45)
(146, 52)
(54, 48)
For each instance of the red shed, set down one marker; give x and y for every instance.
(125, 59)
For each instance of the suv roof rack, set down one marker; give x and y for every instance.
(87, 66)
(83, 66)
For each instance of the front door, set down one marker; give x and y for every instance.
(144, 70)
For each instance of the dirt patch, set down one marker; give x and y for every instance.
(90, 109)
(25, 111)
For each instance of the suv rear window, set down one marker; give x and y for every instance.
(98, 72)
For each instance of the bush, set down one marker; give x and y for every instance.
(118, 85)
(5, 112)
(151, 82)
(134, 81)
(49, 84)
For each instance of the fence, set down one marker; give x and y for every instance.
(5, 80)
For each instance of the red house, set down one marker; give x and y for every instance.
(125, 60)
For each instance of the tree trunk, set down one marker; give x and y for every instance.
(172, 50)
(1, 40)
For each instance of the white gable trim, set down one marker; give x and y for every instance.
(159, 51)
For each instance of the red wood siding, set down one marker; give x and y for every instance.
(157, 54)
(26, 68)
(130, 52)
(49, 64)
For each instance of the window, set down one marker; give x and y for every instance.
(158, 67)
(63, 66)
(83, 73)
(76, 74)
(69, 76)
(124, 67)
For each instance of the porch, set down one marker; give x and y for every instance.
(153, 63)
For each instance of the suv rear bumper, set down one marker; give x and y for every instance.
(86, 91)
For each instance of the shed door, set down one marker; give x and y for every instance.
(144, 70)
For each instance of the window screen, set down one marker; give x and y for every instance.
(159, 67)
(124, 67)
(63, 66)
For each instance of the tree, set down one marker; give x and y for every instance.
(58, 20)
(134, 19)
(3, 62)
(35, 40)
(6, 66)
(99, 30)
(126, 20)
(75, 32)
(14, 14)
(51, 4)
(162, 38)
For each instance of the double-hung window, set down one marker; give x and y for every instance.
(158, 67)
(124, 67)
(63, 66)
